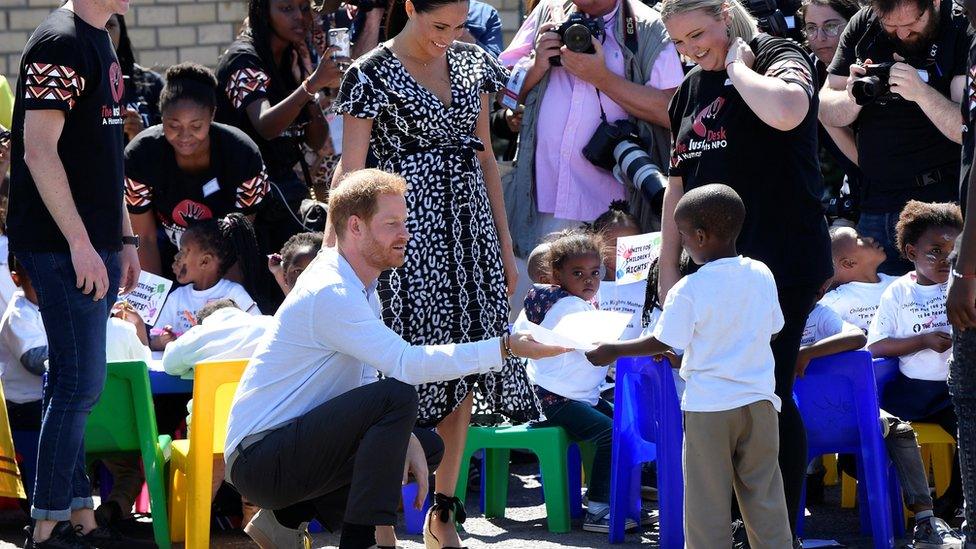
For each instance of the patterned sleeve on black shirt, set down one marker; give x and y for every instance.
(54, 75)
(247, 83)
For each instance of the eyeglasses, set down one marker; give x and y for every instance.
(829, 30)
(893, 28)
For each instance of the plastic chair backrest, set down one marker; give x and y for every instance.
(124, 410)
(650, 404)
(214, 385)
(838, 401)
(885, 370)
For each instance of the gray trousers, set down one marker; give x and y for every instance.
(340, 462)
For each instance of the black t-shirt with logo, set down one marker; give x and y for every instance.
(968, 106)
(718, 139)
(234, 182)
(243, 78)
(901, 153)
(69, 65)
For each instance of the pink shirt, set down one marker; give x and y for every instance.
(567, 185)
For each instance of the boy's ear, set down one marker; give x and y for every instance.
(910, 252)
(847, 263)
(701, 236)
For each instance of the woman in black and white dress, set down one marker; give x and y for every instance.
(421, 102)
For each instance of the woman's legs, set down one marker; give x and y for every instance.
(453, 430)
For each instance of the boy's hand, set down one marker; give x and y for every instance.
(802, 361)
(961, 303)
(939, 342)
(604, 354)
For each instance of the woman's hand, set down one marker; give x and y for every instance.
(132, 123)
(511, 269)
(739, 50)
(524, 346)
(329, 72)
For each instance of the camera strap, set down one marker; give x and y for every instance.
(630, 27)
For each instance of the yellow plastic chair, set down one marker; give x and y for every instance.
(830, 464)
(191, 463)
(938, 449)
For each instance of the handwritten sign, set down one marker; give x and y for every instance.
(148, 297)
(634, 256)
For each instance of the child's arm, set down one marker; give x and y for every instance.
(848, 340)
(901, 346)
(159, 340)
(642, 346)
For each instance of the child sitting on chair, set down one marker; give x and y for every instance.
(724, 317)
(911, 324)
(857, 283)
(568, 387)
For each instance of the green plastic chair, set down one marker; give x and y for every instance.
(124, 421)
(550, 444)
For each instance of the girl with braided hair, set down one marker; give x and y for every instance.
(208, 250)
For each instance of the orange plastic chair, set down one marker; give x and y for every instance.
(191, 462)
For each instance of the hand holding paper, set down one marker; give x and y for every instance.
(582, 330)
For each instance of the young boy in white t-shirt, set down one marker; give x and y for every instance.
(724, 317)
(858, 284)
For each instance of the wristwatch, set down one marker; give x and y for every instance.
(131, 241)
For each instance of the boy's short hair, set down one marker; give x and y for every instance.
(714, 208)
(917, 217)
(299, 244)
(535, 263)
(358, 194)
(214, 306)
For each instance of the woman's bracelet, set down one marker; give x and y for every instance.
(311, 96)
(730, 63)
(957, 274)
(506, 343)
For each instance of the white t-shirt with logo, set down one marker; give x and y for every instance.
(21, 329)
(122, 343)
(626, 298)
(183, 303)
(856, 302)
(822, 322)
(907, 308)
(724, 317)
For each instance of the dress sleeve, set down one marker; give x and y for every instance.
(495, 76)
(249, 174)
(55, 74)
(248, 82)
(359, 95)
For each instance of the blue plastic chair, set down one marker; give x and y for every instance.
(838, 400)
(412, 518)
(646, 427)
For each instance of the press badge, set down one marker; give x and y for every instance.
(210, 187)
(510, 96)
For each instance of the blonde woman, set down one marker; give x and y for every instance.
(746, 116)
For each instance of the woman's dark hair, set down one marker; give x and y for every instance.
(231, 240)
(846, 8)
(190, 81)
(259, 30)
(617, 215)
(127, 60)
(396, 13)
(685, 267)
(918, 217)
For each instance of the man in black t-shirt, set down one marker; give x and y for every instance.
(907, 139)
(68, 228)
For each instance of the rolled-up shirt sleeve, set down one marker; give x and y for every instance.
(344, 321)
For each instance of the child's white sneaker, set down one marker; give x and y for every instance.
(600, 522)
(934, 533)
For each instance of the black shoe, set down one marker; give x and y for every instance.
(105, 537)
(108, 514)
(739, 538)
(64, 536)
(815, 488)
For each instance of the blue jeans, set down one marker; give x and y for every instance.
(75, 326)
(593, 424)
(881, 227)
(962, 387)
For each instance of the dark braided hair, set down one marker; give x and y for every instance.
(617, 215)
(651, 301)
(231, 240)
(260, 33)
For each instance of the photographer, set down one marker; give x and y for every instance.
(907, 136)
(569, 95)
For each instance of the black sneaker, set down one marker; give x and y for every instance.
(64, 536)
(106, 537)
(108, 514)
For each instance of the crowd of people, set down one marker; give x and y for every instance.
(375, 203)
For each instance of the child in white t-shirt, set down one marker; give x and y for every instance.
(295, 255)
(208, 250)
(724, 317)
(568, 387)
(857, 283)
(911, 322)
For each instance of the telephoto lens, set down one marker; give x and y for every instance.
(634, 165)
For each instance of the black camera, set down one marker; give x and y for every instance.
(577, 33)
(617, 147)
(770, 18)
(873, 85)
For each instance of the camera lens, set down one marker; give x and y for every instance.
(578, 38)
(634, 164)
(867, 89)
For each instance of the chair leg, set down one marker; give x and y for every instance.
(941, 466)
(573, 460)
(830, 464)
(496, 481)
(848, 491)
(154, 465)
(177, 505)
(555, 486)
(874, 472)
(198, 506)
(621, 473)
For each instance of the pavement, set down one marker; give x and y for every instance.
(524, 525)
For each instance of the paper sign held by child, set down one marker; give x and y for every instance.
(634, 256)
(149, 295)
(581, 330)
